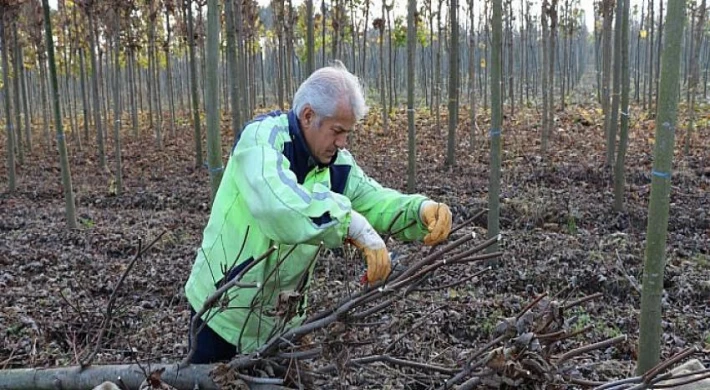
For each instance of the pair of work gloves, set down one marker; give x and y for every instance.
(435, 216)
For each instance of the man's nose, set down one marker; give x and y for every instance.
(341, 141)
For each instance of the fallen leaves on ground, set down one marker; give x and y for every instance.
(557, 223)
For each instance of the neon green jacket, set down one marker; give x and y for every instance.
(272, 193)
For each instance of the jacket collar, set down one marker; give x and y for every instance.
(302, 152)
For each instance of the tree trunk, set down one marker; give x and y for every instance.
(169, 76)
(694, 77)
(511, 62)
(658, 56)
(658, 208)
(193, 82)
(411, 55)
(495, 69)
(551, 75)
(130, 64)
(453, 84)
(117, 107)
(214, 144)
(95, 87)
(614, 114)
(242, 59)
(545, 62)
(16, 95)
(472, 77)
(61, 144)
(606, 66)
(74, 378)
(25, 105)
(649, 58)
(390, 74)
(619, 167)
(45, 102)
(232, 68)
(310, 39)
(383, 100)
(11, 173)
(84, 103)
(437, 72)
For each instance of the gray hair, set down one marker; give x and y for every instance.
(325, 88)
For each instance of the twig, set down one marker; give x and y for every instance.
(260, 291)
(307, 354)
(562, 334)
(412, 328)
(620, 267)
(530, 305)
(681, 383)
(582, 381)
(112, 299)
(396, 232)
(652, 377)
(455, 283)
(663, 365)
(698, 376)
(262, 381)
(470, 384)
(434, 256)
(578, 351)
(372, 310)
(395, 361)
(212, 299)
(582, 300)
(467, 222)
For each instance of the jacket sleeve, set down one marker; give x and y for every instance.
(286, 211)
(380, 205)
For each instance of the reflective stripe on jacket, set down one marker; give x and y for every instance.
(273, 193)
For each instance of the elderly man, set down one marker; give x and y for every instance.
(291, 184)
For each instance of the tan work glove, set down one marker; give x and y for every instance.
(366, 239)
(437, 218)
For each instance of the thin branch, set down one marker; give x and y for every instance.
(467, 222)
(412, 328)
(455, 283)
(530, 305)
(582, 300)
(663, 365)
(395, 361)
(112, 299)
(578, 351)
(212, 299)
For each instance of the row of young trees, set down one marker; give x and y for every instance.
(158, 43)
(120, 62)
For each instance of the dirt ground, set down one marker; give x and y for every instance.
(557, 223)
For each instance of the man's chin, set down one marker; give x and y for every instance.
(327, 159)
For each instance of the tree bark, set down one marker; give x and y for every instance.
(658, 209)
(620, 162)
(411, 55)
(193, 82)
(61, 144)
(73, 378)
(453, 84)
(494, 69)
(214, 144)
(10, 136)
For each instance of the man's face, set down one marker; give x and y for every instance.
(331, 133)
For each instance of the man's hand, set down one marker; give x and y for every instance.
(437, 218)
(365, 238)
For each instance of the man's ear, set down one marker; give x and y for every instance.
(308, 116)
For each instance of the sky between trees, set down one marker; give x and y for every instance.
(401, 7)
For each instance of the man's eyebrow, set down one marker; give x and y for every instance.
(341, 128)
